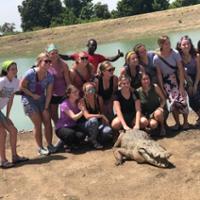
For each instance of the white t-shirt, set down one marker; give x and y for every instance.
(7, 89)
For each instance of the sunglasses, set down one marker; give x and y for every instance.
(84, 58)
(47, 61)
(111, 70)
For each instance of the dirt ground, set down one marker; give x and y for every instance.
(127, 28)
(90, 175)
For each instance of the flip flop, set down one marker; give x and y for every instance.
(19, 160)
(6, 164)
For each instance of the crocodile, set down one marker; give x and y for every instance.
(137, 145)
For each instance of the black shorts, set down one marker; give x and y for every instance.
(57, 99)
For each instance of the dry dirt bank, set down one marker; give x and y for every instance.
(74, 37)
(92, 175)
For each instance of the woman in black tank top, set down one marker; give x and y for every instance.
(106, 85)
(127, 106)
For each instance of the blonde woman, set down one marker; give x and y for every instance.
(170, 75)
(37, 86)
(106, 85)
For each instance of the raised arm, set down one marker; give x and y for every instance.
(67, 57)
(114, 58)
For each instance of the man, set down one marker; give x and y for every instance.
(93, 58)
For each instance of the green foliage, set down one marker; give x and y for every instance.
(37, 13)
(101, 11)
(134, 7)
(67, 17)
(87, 11)
(160, 5)
(181, 3)
(7, 28)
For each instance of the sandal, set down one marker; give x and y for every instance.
(6, 164)
(19, 159)
(186, 127)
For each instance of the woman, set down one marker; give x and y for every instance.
(132, 69)
(96, 123)
(9, 84)
(152, 104)
(170, 77)
(126, 106)
(106, 85)
(37, 85)
(146, 60)
(82, 71)
(191, 63)
(67, 128)
(60, 71)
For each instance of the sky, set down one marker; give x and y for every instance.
(9, 12)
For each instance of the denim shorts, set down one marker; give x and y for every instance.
(33, 106)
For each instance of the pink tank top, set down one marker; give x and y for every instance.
(59, 85)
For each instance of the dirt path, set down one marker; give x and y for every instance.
(127, 28)
(92, 175)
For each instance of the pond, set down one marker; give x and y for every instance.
(22, 122)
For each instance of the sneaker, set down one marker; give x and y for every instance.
(51, 148)
(59, 146)
(43, 151)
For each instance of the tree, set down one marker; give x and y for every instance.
(7, 28)
(67, 17)
(37, 13)
(101, 11)
(160, 5)
(133, 7)
(74, 5)
(181, 3)
(82, 9)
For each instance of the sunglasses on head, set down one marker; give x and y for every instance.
(47, 61)
(84, 58)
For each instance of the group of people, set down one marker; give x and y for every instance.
(94, 103)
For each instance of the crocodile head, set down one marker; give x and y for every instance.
(153, 153)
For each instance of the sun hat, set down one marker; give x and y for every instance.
(51, 47)
(7, 64)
